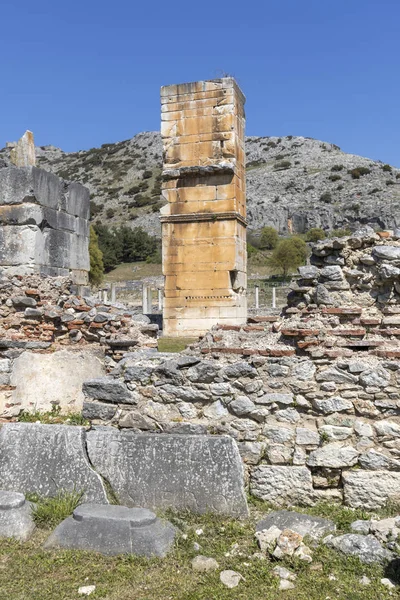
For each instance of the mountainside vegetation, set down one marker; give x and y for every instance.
(294, 184)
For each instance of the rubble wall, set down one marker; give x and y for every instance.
(311, 396)
(44, 224)
(52, 339)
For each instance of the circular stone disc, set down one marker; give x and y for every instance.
(136, 517)
(10, 500)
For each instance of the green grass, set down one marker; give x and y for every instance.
(178, 344)
(49, 512)
(52, 417)
(30, 573)
(133, 271)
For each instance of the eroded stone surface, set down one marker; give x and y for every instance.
(113, 530)
(315, 527)
(365, 547)
(282, 485)
(45, 459)
(370, 489)
(195, 472)
(15, 516)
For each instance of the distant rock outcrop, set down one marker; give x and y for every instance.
(293, 183)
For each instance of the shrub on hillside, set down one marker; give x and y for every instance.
(268, 238)
(359, 172)
(315, 234)
(283, 165)
(288, 255)
(326, 197)
(96, 272)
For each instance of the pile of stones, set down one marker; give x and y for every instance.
(36, 310)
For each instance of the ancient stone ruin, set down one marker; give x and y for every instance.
(297, 407)
(44, 224)
(311, 396)
(53, 333)
(203, 224)
(22, 153)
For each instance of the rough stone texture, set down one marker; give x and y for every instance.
(43, 381)
(315, 388)
(366, 489)
(22, 154)
(365, 547)
(334, 456)
(45, 224)
(199, 473)
(282, 485)
(113, 530)
(15, 516)
(45, 459)
(315, 527)
(203, 223)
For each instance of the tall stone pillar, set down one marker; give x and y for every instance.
(204, 222)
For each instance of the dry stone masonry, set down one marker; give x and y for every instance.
(44, 224)
(52, 339)
(203, 224)
(310, 396)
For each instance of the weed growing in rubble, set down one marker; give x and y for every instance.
(49, 512)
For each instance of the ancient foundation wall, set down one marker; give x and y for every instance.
(52, 339)
(203, 224)
(311, 397)
(44, 224)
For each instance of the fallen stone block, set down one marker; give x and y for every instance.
(45, 459)
(15, 516)
(113, 530)
(365, 547)
(315, 527)
(185, 472)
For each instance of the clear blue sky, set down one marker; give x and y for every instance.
(84, 72)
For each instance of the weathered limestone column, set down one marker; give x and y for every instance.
(204, 222)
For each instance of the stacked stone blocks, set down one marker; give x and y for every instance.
(203, 224)
(44, 224)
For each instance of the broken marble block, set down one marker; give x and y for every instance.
(114, 530)
(15, 516)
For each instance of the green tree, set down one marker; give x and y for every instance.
(288, 255)
(315, 234)
(96, 272)
(268, 238)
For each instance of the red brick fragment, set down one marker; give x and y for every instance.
(263, 319)
(361, 331)
(250, 328)
(343, 310)
(370, 321)
(299, 332)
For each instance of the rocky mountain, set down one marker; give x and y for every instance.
(293, 183)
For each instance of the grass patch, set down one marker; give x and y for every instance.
(178, 344)
(52, 417)
(49, 512)
(133, 271)
(31, 573)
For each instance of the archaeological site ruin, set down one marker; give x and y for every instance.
(204, 222)
(295, 406)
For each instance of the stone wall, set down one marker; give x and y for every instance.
(312, 396)
(52, 339)
(44, 224)
(203, 224)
